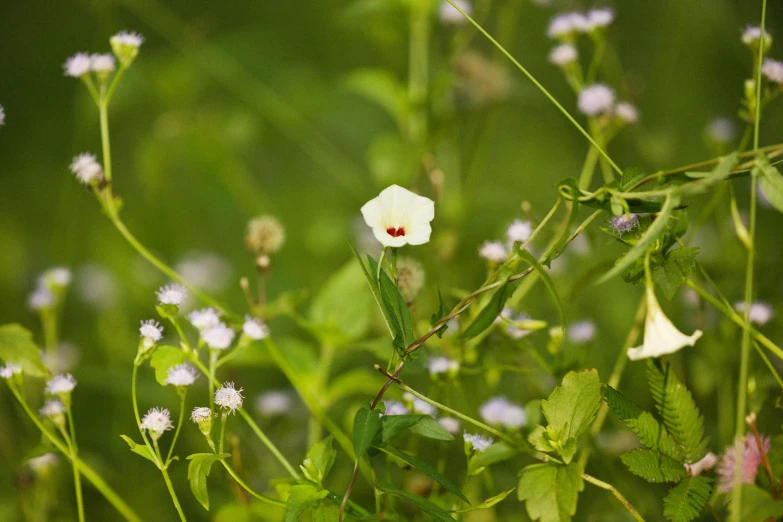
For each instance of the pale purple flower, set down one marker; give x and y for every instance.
(479, 443)
(77, 65)
(563, 55)
(751, 459)
(773, 70)
(624, 223)
(596, 99)
(499, 411)
(493, 251)
(760, 313)
(395, 408)
(581, 331)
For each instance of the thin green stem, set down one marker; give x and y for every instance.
(182, 395)
(212, 381)
(77, 482)
(169, 485)
(103, 110)
(757, 118)
(223, 419)
(603, 485)
(134, 375)
(247, 488)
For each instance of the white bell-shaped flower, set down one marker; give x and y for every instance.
(399, 217)
(660, 335)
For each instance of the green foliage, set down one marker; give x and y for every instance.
(198, 471)
(487, 315)
(432, 510)
(720, 173)
(163, 358)
(572, 406)
(426, 469)
(300, 499)
(396, 310)
(424, 425)
(550, 491)
(438, 315)
(770, 180)
(17, 347)
(550, 286)
(382, 88)
(366, 426)
(496, 453)
(139, 449)
(338, 318)
(687, 499)
(653, 466)
(319, 460)
(675, 269)
(758, 505)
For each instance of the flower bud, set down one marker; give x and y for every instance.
(125, 46)
(202, 416)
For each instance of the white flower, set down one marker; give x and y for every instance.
(130, 38)
(596, 99)
(42, 463)
(218, 337)
(399, 217)
(274, 403)
(86, 168)
(479, 443)
(600, 17)
(151, 330)
(566, 24)
(721, 130)
(449, 424)
(52, 408)
(752, 34)
(172, 294)
(204, 319)
(519, 231)
(77, 65)
(40, 299)
(626, 112)
(760, 313)
(228, 397)
(581, 331)
(563, 54)
(201, 414)
(156, 422)
(660, 335)
(255, 328)
(438, 365)
(420, 406)
(493, 251)
(449, 15)
(500, 412)
(2, 115)
(181, 375)
(102, 62)
(624, 223)
(705, 464)
(9, 370)
(773, 70)
(395, 408)
(60, 384)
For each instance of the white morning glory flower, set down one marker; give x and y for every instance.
(399, 217)
(660, 335)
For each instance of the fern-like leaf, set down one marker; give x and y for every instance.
(687, 499)
(642, 424)
(652, 466)
(679, 412)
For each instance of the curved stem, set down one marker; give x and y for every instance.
(179, 424)
(169, 485)
(134, 374)
(223, 419)
(247, 488)
(77, 482)
(603, 485)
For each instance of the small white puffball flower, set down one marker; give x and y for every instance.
(399, 217)
(60, 384)
(265, 234)
(566, 24)
(600, 17)
(563, 55)
(479, 443)
(86, 168)
(450, 424)
(9, 370)
(56, 277)
(181, 375)
(493, 251)
(229, 398)
(519, 230)
(204, 319)
(255, 328)
(596, 99)
(705, 464)
(439, 365)
(420, 406)
(43, 463)
(52, 408)
(752, 34)
(151, 330)
(581, 331)
(623, 223)
(500, 411)
(130, 38)
(773, 70)
(660, 335)
(201, 414)
(102, 63)
(77, 65)
(40, 299)
(395, 408)
(156, 421)
(448, 14)
(172, 294)
(760, 313)
(721, 130)
(626, 112)
(2, 115)
(273, 403)
(218, 337)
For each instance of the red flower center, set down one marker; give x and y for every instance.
(395, 232)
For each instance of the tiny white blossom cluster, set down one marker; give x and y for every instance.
(514, 331)
(752, 34)
(52, 408)
(395, 408)
(181, 375)
(150, 332)
(219, 337)
(201, 414)
(566, 25)
(228, 397)
(42, 463)
(86, 169)
(125, 46)
(519, 231)
(204, 319)
(493, 251)
(9, 370)
(62, 384)
(419, 406)
(760, 313)
(156, 421)
(450, 424)
(173, 294)
(49, 284)
(441, 365)
(478, 442)
(599, 99)
(254, 328)
(772, 70)
(581, 331)
(449, 15)
(499, 411)
(563, 55)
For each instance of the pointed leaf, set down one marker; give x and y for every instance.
(771, 182)
(139, 449)
(163, 358)
(653, 466)
(17, 347)
(300, 499)
(396, 308)
(687, 499)
(438, 315)
(491, 310)
(550, 491)
(426, 469)
(572, 406)
(366, 426)
(198, 471)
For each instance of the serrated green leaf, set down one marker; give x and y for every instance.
(17, 347)
(653, 466)
(490, 311)
(163, 358)
(426, 469)
(319, 460)
(550, 491)
(434, 511)
(572, 406)
(139, 449)
(758, 505)
(198, 471)
(341, 318)
(771, 182)
(675, 269)
(438, 315)
(300, 499)
(687, 499)
(366, 426)
(396, 308)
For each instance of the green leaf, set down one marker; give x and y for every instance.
(300, 499)
(319, 460)
(679, 412)
(721, 171)
(366, 426)
(198, 471)
(423, 425)
(396, 308)
(676, 268)
(775, 456)
(341, 309)
(631, 176)
(376, 292)
(438, 315)
(163, 358)
(687, 499)
(491, 310)
(653, 466)
(430, 428)
(771, 182)
(139, 449)
(572, 406)
(550, 286)
(434, 511)
(426, 469)
(758, 505)
(17, 347)
(496, 453)
(550, 491)
(494, 500)
(654, 231)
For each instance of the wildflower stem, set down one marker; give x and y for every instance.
(539, 86)
(169, 485)
(134, 375)
(603, 485)
(247, 488)
(223, 419)
(182, 394)
(77, 482)
(212, 381)
(103, 111)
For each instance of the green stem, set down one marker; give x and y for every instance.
(77, 482)
(134, 375)
(173, 494)
(182, 395)
(223, 419)
(212, 381)
(103, 110)
(603, 485)
(247, 488)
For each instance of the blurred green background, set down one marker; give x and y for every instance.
(243, 108)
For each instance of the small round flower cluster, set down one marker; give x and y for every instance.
(156, 421)
(274, 403)
(760, 313)
(518, 231)
(624, 223)
(581, 331)
(228, 397)
(448, 14)
(87, 169)
(751, 460)
(125, 46)
(59, 385)
(181, 375)
(255, 328)
(513, 330)
(172, 294)
(479, 443)
(499, 411)
(265, 235)
(566, 26)
(721, 131)
(599, 99)
(9, 370)
(50, 286)
(440, 365)
(751, 36)
(150, 333)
